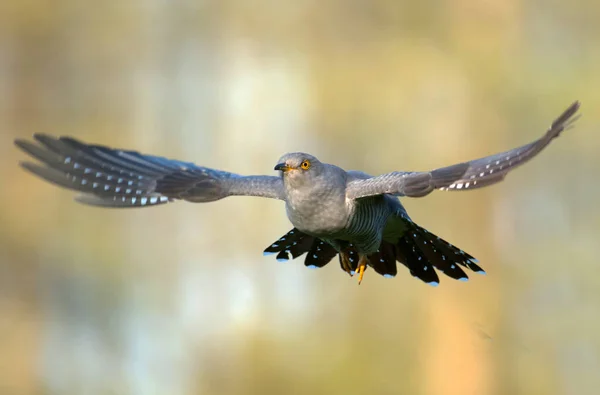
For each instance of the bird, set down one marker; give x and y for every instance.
(349, 214)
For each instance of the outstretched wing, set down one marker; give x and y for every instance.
(118, 178)
(468, 175)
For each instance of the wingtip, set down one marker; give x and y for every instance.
(38, 136)
(566, 119)
(573, 109)
(19, 142)
(29, 166)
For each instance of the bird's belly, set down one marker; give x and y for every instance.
(369, 218)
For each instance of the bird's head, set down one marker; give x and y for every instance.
(298, 168)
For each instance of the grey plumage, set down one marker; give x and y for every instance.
(334, 211)
(118, 178)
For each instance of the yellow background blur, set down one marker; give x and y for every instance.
(180, 300)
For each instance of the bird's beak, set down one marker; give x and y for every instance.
(283, 167)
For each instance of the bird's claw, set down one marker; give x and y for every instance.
(346, 265)
(362, 266)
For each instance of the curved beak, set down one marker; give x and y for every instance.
(282, 166)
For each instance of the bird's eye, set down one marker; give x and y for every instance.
(305, 165)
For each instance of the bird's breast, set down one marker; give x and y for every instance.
(322, 213)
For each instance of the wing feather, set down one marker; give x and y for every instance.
(477, 173)
(119, 178)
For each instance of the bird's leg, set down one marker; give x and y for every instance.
(363, 261)
(345, 263)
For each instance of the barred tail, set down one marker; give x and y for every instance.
(319, 253)
(421, 251)
(296, 243)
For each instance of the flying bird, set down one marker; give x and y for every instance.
(350, 214)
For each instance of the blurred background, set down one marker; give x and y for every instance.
(178, 299)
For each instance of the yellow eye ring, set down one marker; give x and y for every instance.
(305, 165)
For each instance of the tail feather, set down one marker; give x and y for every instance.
(452, 253)
(384, 260)
(413, 258)
(434, 255)
(296, 243)
(293, 242)
(437, 252)
(320, 254)
(419, 250)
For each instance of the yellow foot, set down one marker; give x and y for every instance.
(362, 266)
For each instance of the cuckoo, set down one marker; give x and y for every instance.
(351, 214)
